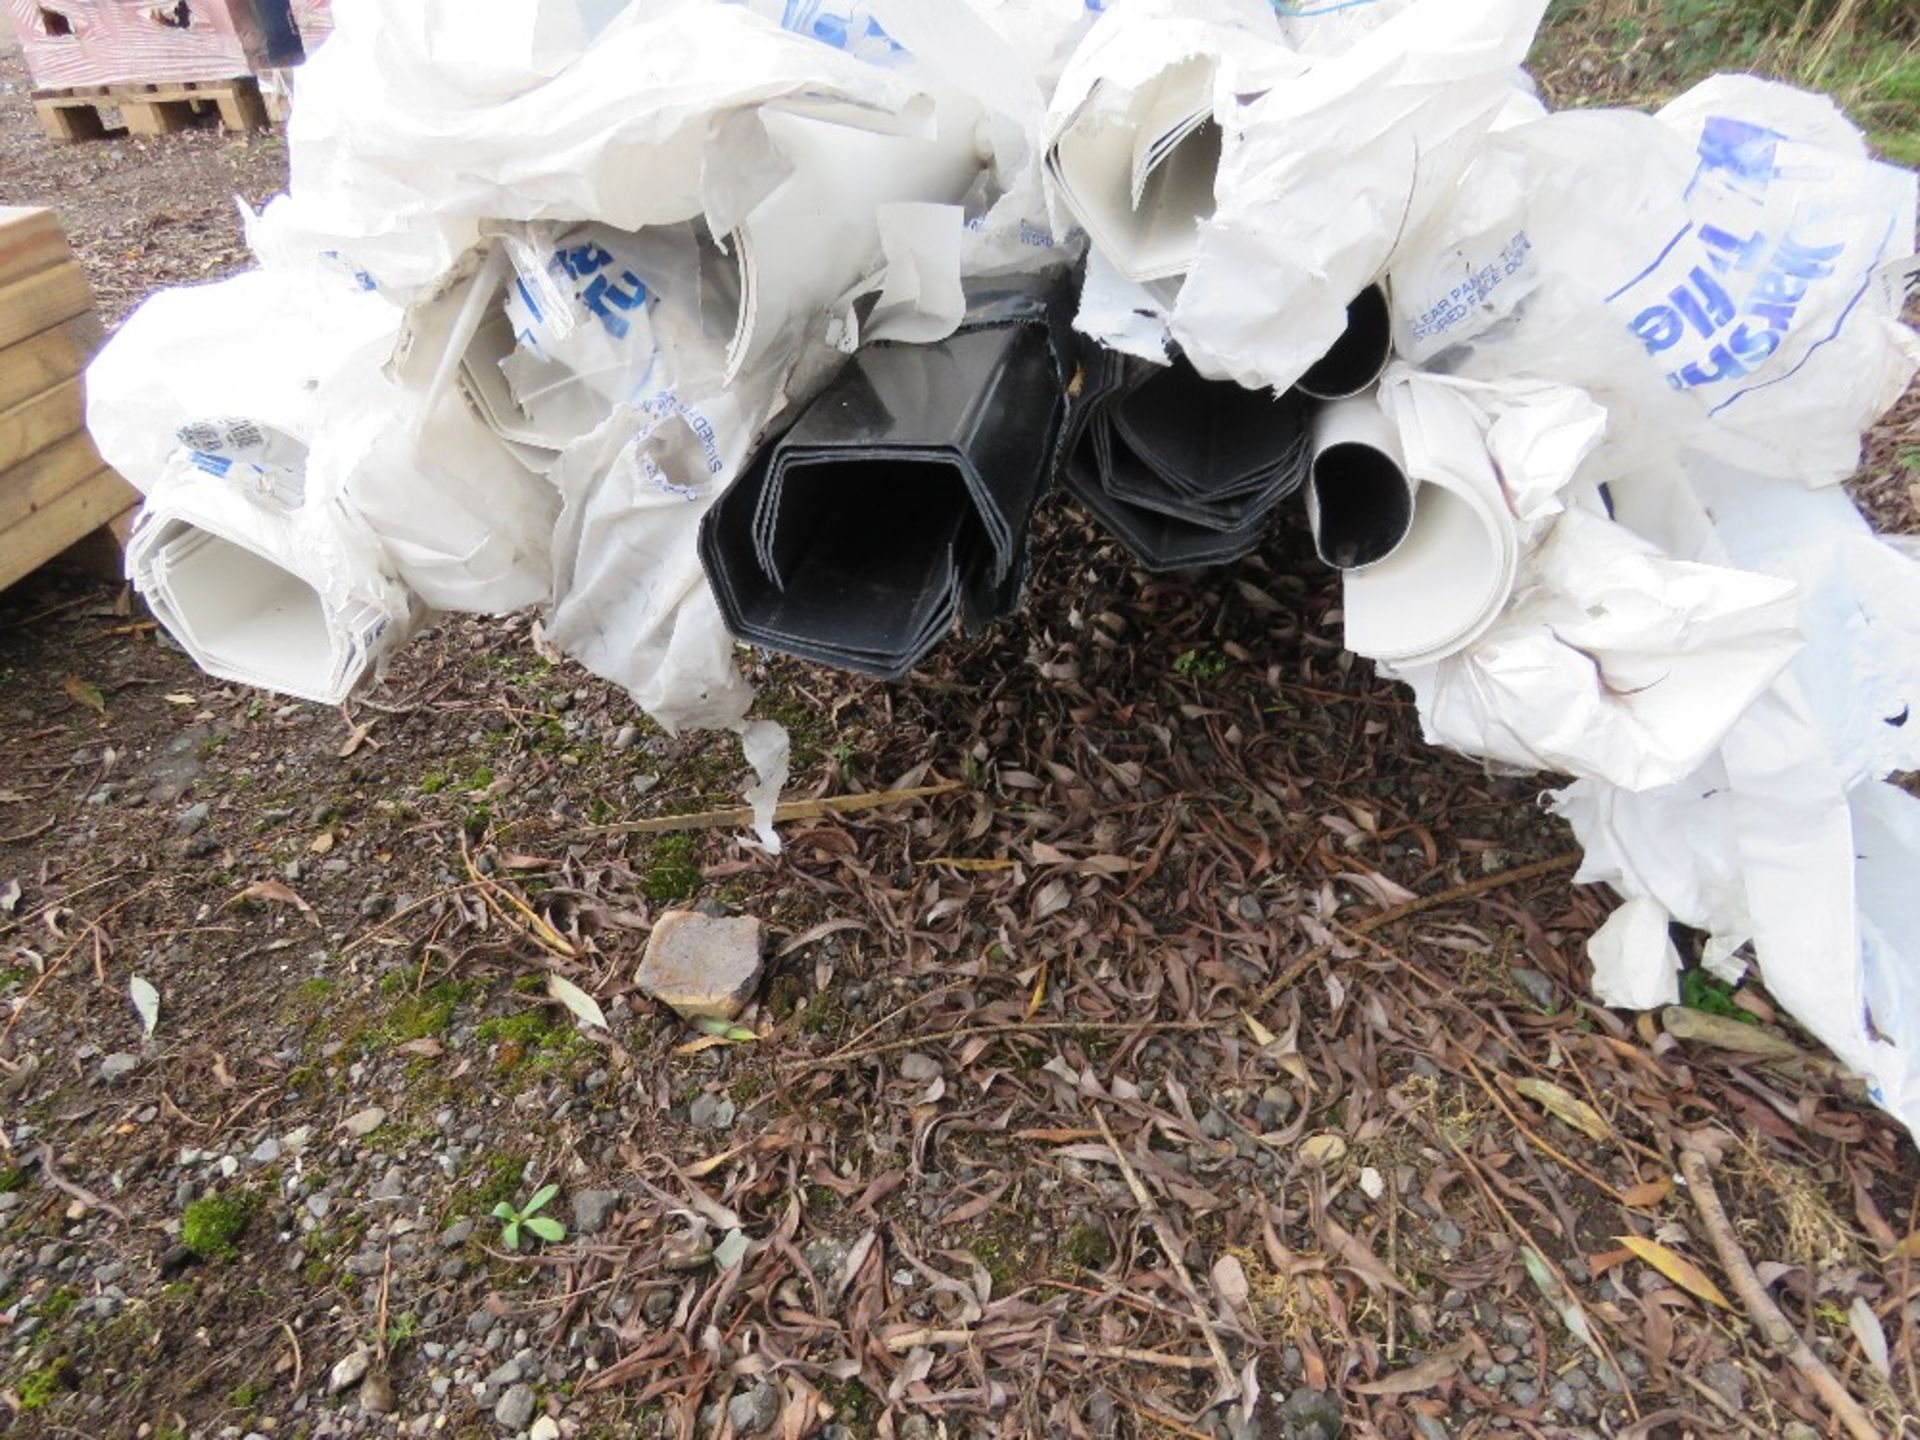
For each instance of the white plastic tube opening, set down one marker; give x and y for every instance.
(258, 596)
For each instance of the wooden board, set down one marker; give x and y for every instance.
(40, 479)
(98, 498)
(33, 425)
(30, 241)
(42, 361)
(39, 302)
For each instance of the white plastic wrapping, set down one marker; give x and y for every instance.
(1329, 161)
(1708, 273)
(257, 346)
(1786, 838)
(656, 121)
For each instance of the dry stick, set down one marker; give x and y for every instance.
(1160, 1228)
(1012, 1027)
(1574, 1165)
(1165, 1422)
(79, 1192)
(743, 814)
(299, 1365)
(913, 1339)
(1414, 907)
(536, 929)
(1759, 1304)
(1525, 1237)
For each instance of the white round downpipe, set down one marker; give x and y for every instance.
(1360, 499)
(1451, 577)
(1359, 356)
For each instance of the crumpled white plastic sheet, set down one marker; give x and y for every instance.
(1787, 839)
(656, 121)
(1709, 274)
(1340, 135)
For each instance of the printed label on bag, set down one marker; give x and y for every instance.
(1734, 286)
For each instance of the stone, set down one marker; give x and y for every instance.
(515, 1409)
(117, 1067)
(685, 1253)
(1535, 986)
(659, 1306)
(754, 1411)
(920, 1069)
(457, 1234)
(711, 1112)
(193, 819)
(1311, 1415)
(545, 1428)
(592, 1208)
(365, 1122)
(349, 1371)
(392, 1186)
(266, 1152)
(917, 1427)
(703, 967)
(376, 1394)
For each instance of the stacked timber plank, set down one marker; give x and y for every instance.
(54, 488)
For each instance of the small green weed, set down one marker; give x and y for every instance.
(673, 873)
(58, 1304)
(38, 1389)
(1700, 991)
(1201, 665)
(543, 1227)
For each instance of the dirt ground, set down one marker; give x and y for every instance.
(1211, 1039)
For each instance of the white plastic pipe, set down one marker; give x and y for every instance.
(1359, 356)
(259, 597)
(1454, 572)
(816, 238)
(1359, 497)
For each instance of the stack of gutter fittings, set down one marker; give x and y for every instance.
(696, 321)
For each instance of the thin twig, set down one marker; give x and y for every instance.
(1759, 1304)
(743, 814)
(1012, 1027)
(299, 1365)
(1171, 1249)
(79, 1192)
(906, 1340)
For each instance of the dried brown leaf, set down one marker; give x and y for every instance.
(1565, 1107)
(274, 893)
(1676, 1267)
(82, 693)
(1725, 1033)
(1435, 1370)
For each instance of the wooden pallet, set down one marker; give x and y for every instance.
(54, 489)
(77, 114)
